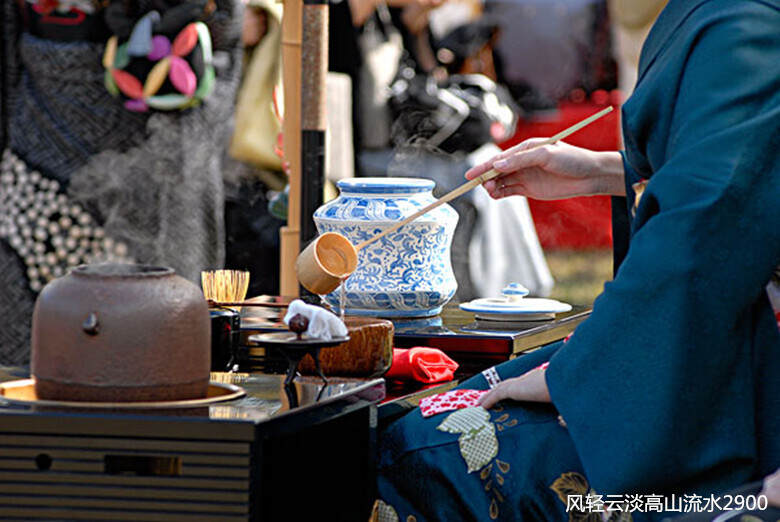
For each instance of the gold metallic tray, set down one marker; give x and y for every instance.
(23, 392)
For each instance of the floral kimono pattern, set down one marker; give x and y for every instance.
(470, 463)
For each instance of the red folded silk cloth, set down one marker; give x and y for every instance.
(422, 364)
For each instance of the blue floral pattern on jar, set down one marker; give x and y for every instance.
(407, 273)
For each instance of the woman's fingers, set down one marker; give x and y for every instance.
(528, 144)
(478, 170)
(501, 187)
(523, 147)
(531, 386)
(492, 186)
(494, 396)
(772, 488)
(513, 164)
(513, 388)
(523, 160)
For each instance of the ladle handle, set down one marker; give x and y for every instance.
(482, 178)
(444, 199)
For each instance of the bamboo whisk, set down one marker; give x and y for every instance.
(225, 286)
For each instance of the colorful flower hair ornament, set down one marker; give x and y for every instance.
(150, 70)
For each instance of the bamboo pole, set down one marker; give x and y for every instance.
(292, 34)
(314, 69)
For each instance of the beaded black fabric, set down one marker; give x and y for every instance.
(46, 229)
(86, 180)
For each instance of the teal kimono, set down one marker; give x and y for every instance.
(672, 386)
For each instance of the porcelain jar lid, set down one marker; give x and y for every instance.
(514, 306)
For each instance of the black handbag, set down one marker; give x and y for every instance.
(462, 113)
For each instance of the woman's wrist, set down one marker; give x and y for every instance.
(610, 177)
(537, 386)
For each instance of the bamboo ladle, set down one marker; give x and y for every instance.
(331, 258)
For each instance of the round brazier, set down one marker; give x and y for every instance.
(113, 333)
(407, 273)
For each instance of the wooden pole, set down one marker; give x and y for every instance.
(314, 71)
(292, 35)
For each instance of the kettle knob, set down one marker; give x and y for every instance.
(91, 325)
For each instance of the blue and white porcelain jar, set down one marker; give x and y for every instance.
(407, 273)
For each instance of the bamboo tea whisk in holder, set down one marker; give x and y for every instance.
(225, 286)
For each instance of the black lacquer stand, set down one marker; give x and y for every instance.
(294, 348)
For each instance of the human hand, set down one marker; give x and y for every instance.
(254, 27)
(552, 171)
(531, 386)
(415, 14)
(772, 488)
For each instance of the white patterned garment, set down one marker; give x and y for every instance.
(504, 247)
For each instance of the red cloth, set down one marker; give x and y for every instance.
(576, 223)
(421, 364)
(584, 222)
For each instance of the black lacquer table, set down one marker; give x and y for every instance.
(251, 458)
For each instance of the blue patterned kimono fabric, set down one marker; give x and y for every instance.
(672, 385)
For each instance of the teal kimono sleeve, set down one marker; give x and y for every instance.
(672, 384)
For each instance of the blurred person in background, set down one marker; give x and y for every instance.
(631, 22)
(432, 109)
(548, 48)
(115, 116)
(253, 167)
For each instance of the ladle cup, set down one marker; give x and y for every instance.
(331, 258)
(327, 261)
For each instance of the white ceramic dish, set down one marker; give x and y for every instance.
(526, 309)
